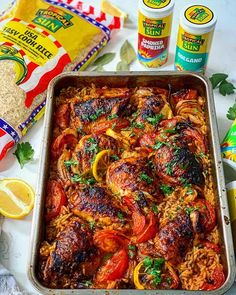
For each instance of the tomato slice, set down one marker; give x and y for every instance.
(61, 142)
(149, 231)
(216, 281)
(207, 214)
(110, 240)
(114, 268)
(139, 222)
(115, 124)
(56, 198)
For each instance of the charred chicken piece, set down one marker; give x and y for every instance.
(89, 113)
(72, 247)
(177, 165)
(130, 175)
(88, 147)
(174, 239)
(95, 203)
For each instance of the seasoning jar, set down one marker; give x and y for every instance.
(154, 26)
(197, 23)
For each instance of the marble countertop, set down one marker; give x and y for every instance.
(15, 237)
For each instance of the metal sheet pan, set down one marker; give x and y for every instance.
(176, 80)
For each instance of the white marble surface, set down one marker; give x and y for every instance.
(14, 241)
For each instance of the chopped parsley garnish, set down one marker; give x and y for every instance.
(120, 215)
(113, 126)
(96, 115)
(169, 280)
(92, 224)
(78, 178)
(132, 134)
(145, 177)
(80, 130)
(114, 157)
(86, 283)
(189, 210)
(131, 247)
(154, 120)
(200, 155)
(170, 130)
(158, 145)
(138, 125)
(167, 189)
(112, 116)
(169, 168)
(71, 162)
(93, 146)
(153, 268)
(189, 191)
(155, 208)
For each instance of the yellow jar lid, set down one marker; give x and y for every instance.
(156, 8)
(198, 17)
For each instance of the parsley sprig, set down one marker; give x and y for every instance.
(219, 80)
(153, 268)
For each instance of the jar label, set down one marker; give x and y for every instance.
(228, 146)
(198, 14)
(153, 40)
(156, 4)
(192, 50)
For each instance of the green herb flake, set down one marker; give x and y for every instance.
(71, 162)
(169, 280)
(154, 120)
(112, 116)
(87, 283)
(92, 224)
(189, 210)
(145, 177)
(114, 157)
(120, 215)
(158, 145)
(155, 209)
(132, 247)
(138, 125)
(167, 189)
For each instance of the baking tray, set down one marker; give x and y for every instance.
(164, 79)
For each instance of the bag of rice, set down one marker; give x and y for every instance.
(38, 40)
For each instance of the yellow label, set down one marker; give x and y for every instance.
(156, 4)
(232, 203)
(194, 43)
(154, 27)
(38, 47)
(58, 22)
(199, 14)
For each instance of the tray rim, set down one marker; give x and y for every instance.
(219, 176)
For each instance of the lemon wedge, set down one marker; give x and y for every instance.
(100, 165)
(113, 10)
(16, 198)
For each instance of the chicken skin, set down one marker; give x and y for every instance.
(130, 175)
(73, 246)
(95, 203)
(174, 239)
(88, 113)
(177, 166)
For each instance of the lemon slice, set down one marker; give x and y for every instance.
(136, 275)
(16, 198)
(111, 9)
(100, 164)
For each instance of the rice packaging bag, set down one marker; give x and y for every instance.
(38, 40)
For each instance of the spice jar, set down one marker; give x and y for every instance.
(197, 23)
(154, 26)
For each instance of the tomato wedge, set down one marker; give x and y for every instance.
(139, 222)
(115, 124)
(149, 231)
(61, 142)
(216, 281)
(56, 198)
(207, 214)
(114, 268)
(110, 240)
